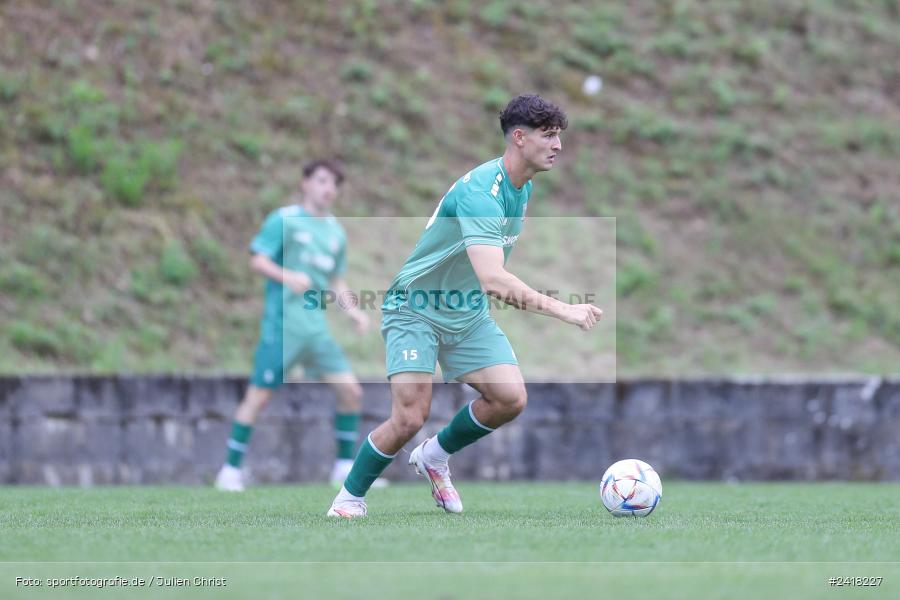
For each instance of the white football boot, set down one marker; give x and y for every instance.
(442, 490)
(347, 506)
(230, 479)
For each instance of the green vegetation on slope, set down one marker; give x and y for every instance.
(748, 151)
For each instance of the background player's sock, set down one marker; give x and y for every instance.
(345, 433)
(369, 464)
(237, 443)
(343, 464)
(463, 430)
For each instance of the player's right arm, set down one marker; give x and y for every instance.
(268, 244)
(487, 262)
(296, 281)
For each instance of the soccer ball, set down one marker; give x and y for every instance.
(630, 488)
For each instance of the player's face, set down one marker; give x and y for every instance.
(320, 188)
(540, 148)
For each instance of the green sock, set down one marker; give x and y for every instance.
(345, 427)
(369, 464)
(237, 443)
(463, 430)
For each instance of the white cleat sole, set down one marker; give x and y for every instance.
(229, 481)
(339, 514)
(231, 490)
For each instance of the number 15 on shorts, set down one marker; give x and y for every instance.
(410, 354)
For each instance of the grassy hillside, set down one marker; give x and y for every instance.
(749, 151)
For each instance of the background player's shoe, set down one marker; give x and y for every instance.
(442, 490)
(341, 469)
(347, 506)
(230, 479)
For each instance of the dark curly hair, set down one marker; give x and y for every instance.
(532, 111)
(327, 164)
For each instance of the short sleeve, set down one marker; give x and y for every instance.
(480, 218)
(270, 238)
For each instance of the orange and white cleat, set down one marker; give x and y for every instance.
(442, 490)
(346, 506)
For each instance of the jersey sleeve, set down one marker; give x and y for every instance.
(480, 218)
(340, 260)
(270, 238)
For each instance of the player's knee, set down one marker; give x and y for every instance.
(519, 400)
(252, 404)
(355, 396)
(408, 422)
(406, 428)
(350, 398)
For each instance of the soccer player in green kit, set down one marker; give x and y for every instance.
(300, 250)
(436, 311)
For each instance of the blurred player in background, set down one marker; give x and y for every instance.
(436, 311)
(301, 251)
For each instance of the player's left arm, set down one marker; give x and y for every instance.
(488, 264)
(349, 303)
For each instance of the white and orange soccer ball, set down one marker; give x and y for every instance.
(630, 488)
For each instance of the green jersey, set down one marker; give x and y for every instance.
(298, 241)
(438, 283)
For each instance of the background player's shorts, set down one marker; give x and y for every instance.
(277, 353)
(413, 344)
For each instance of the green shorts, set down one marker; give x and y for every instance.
(279, 351)
(413, 344)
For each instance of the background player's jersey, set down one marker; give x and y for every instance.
(437, 283)
(298, 241)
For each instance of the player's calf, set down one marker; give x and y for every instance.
(501, 403)
(503, 394)
(410, 407)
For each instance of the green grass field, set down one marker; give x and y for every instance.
(528, 540)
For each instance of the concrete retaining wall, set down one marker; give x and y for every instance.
(172, 429)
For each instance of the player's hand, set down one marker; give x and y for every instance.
(583, 315)
(360, 320)
(296, 281)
